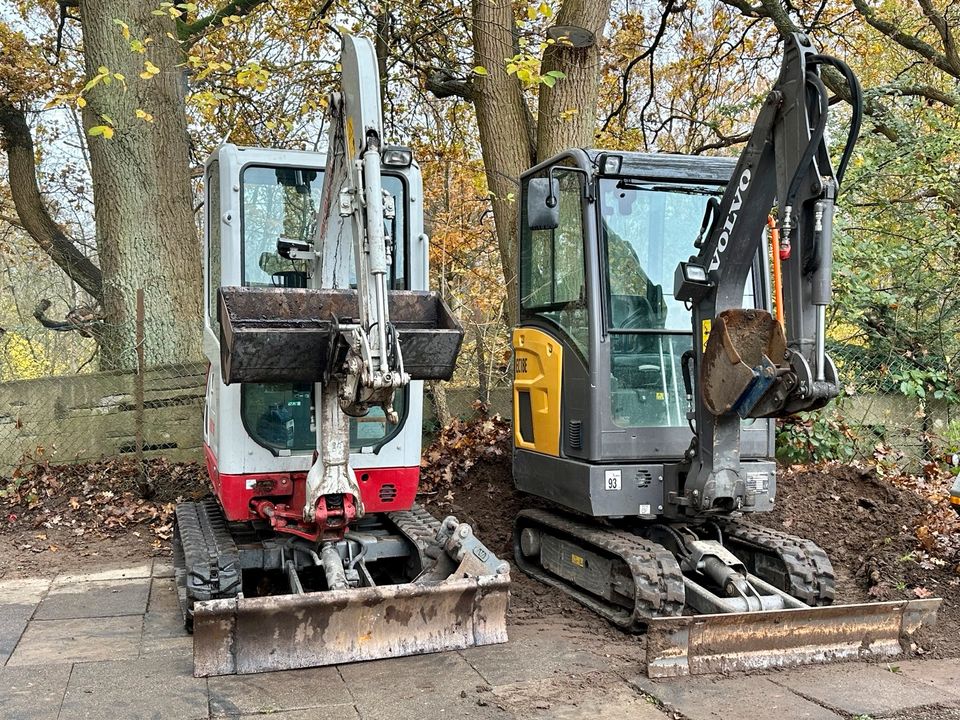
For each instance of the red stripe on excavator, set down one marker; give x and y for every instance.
(236, 491)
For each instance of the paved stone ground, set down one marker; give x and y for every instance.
(110, 644)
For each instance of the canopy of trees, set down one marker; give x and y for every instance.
(107, 109)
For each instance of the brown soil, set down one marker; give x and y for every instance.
(866, 523)
(59, 518)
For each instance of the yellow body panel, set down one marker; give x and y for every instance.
(537, 372)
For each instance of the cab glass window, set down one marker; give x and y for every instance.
(552, 265)
(282, 203)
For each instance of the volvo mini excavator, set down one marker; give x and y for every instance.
(320, 332)
(649, 369)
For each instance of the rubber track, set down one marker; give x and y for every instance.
(811, 573)
(418, 525)
(658, 582)
(206, 559)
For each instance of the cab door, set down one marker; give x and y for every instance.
(551, 344)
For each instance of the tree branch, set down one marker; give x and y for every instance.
(34, 217)
(192, 31)
(910, 42)
(630, 65)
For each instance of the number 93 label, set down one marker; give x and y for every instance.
(612, 480)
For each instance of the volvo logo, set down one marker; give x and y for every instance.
(731, 219)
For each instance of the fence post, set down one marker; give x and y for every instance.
(144, 482)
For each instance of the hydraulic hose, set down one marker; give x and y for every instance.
(856, 102)
(816, 137)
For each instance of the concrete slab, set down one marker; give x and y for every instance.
(171, 647)
(943, 675)
(32, 693)
(162, 569)
(418, 686)
(331, 712)
(163, 596)
(100, 598)
(107, 572)
(731, 698)
(85, 639)
(585, 698)
(272, 692)
(532, 654)
(25, 591)
(166, 624)
(860, 689)
(934, 713)
(148, 689)
(13, 621)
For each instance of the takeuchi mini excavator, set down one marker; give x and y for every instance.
(661, 332)
(320, 332)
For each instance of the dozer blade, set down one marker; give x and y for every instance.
(283, 632)
(701, 644)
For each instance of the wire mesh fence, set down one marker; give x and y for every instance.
(58, 404)
(62, 400)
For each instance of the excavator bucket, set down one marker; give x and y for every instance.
(266, 333)
(740, 360)
(729, 642)
(283, 632)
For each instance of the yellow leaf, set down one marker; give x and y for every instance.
(531, 12)
(545, 10)
(143, 115)
(149, 70)
(104, 130)
(81, 102)
(480, 70)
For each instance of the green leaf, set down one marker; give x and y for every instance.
(480, 70)
(548, 80)
(556, 74)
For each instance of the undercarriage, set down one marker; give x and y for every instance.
(714, 596)
(397, 583)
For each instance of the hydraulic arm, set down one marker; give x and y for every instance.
(749, 364)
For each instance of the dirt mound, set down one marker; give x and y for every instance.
(875, 530)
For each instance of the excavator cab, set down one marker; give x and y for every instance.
(601, 402)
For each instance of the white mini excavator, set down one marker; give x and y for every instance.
(320, 332)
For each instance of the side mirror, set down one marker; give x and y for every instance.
(543, 203)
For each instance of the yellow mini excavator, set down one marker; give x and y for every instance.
(648, 370)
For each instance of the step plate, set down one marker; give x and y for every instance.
(703, 644)
(284, 632)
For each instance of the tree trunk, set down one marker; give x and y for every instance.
(33, 214)
(438, 396)
(557, 127)
(505, 129)
(146, 234)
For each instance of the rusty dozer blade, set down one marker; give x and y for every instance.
(283, 632)
(702, 644)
